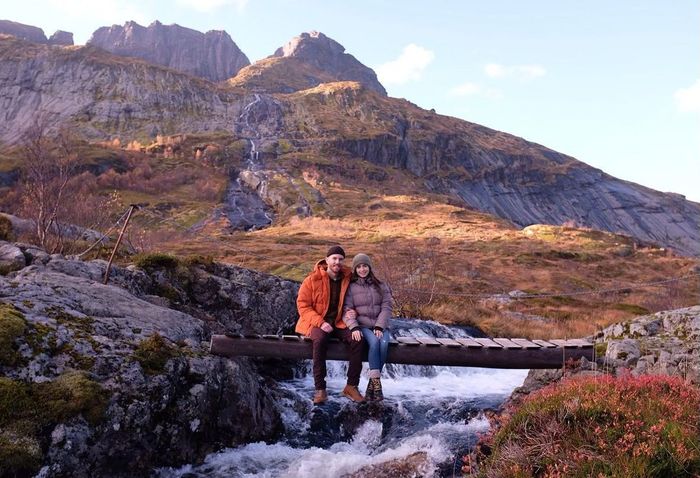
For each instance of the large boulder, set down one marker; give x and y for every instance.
(147, 393)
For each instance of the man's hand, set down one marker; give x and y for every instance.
(378, 333)
(356, 335)
(326, 327)
(351, 314)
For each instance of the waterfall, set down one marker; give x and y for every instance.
(430, 415)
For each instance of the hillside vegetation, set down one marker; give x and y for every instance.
(443, 261)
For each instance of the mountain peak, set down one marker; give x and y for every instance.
(213, 55)
(329, 56)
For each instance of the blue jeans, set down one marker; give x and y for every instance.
(378, 348)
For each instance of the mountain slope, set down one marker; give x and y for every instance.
(104, 96)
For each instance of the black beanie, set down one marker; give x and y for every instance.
(335, 250)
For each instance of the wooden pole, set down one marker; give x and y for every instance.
(119, 240)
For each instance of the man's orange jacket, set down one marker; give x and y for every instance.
(315, 296)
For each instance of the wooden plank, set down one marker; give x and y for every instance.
(507, 344)
(251, 336)
(471, 343)
(581, 342)
(480, 356)
(448, 342)
(526, 344)
(407, 340)
(295, 338)
(272, 337)
(429, 341)
(564, 344)
(488, 343)
(543, 343)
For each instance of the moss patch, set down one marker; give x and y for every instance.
(12, 326)
(153, 353)
(29, 409)
(156, 260)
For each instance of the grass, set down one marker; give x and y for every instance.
(602, 426)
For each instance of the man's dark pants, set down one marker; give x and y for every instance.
(320, 350)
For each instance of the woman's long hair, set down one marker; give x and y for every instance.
(371, 279)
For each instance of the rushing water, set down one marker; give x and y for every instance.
(434, 410)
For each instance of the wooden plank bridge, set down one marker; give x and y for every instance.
(461, 352)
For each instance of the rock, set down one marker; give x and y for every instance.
(329, 56)
(415, 464)
(193, 405)
(25, 32)
(212, 55)
(61, 38)
(11, 257)
(625, 350)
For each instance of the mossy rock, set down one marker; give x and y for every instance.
(20, 454)
(153, 353)
(28, 409)
(71, 394)
(156, 260)
(12, 326)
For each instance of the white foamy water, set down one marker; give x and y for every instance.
(434, 410)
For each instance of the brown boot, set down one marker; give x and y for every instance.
(377, 392)
(369, 393)
(320, 396)
(352, 393)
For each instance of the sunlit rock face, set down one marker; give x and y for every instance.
(212, 55)
(328, 55)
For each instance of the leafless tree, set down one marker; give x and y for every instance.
(49, 162)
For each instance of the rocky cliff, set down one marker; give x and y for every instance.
(121, 372)
(212, 55)
(328, 56)
(34, 34)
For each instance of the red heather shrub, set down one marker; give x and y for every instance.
(602, 426)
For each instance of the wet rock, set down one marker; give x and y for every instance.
(414, 465)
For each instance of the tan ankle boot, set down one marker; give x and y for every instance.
(352, 393)
(320, 396)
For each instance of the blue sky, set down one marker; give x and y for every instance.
(615, 84)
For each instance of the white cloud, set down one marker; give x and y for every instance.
(688, 99)
(409, 66)
(521, 72)
(473, 89)
(211, 5)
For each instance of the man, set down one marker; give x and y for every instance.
(320, 305)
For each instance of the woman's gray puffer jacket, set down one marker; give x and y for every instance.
(373, 306)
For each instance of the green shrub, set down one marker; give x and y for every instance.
(153, 353)
(601, 426)
(71, 394)
(20, 454)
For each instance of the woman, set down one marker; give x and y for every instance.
(366, 312)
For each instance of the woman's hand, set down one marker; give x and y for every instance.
(356, 335)
(378, 333)
(326, 327)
